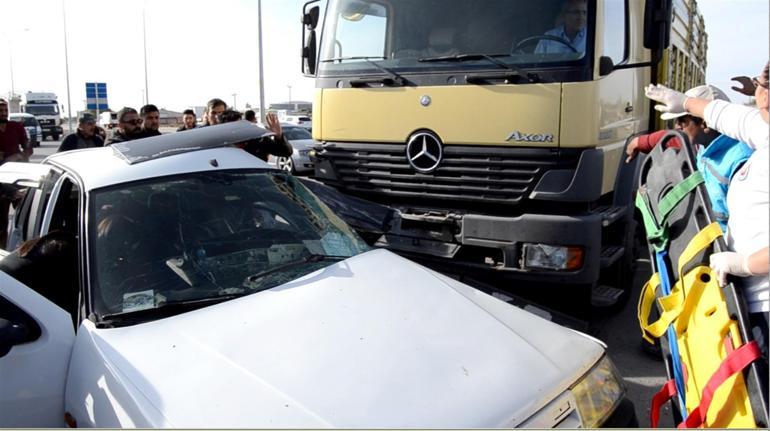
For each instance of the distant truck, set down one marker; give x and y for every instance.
(108, 120)
(45, 107)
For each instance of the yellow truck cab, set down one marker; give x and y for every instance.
(494, 130)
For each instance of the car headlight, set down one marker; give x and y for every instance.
(598, 393)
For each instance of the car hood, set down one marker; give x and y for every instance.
(372, 341)
(302, 144)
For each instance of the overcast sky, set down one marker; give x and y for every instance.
(200, 49)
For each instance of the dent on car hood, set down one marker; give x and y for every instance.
(372, 341)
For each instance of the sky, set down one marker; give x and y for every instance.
(197, 49)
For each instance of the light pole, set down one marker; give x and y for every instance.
(289, 87)
(67, 66)
(261, 70)
(144, 36)
(234, 104)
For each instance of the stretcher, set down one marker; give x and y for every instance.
(717, 374)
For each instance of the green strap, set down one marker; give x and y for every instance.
(656, 235)
(672, 198)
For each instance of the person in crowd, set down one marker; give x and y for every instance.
(695, 128)
(572, 29)
(129, 127)
(250, 116)
(150, 120)
(14, 144)
(747, 195)
(214, 107)
(276, 144)
(14, 147)
(84, 137)
(188, 119)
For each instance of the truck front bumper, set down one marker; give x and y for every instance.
(497, 243)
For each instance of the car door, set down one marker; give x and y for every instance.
(36, 340)
(38, 180)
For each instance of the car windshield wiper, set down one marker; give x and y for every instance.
(282, 267)
(393, 79)
(165, 309)
(492, 58)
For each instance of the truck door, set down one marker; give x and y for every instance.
(616, 90)
(36, 339)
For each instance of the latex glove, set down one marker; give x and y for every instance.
(729, 262)
(747, 85)
(671, 101)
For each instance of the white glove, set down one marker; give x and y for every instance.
(671, 101)
(729, 262)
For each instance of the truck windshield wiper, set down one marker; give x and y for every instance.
(492, 58)
(307, 259)
(393, 79)
(163, 310)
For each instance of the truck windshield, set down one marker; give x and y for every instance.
(208, 235)
(42, 109)
(416, 36)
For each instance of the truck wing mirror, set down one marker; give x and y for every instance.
(309, 45)
(657, 25)
(606, 66)
(309, 54)
(310, 18)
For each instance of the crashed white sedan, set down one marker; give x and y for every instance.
(216, 291)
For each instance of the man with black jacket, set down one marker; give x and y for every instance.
(84, 137)
(129, 127)
(150, 121)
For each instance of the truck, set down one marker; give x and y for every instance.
(45, 107)
(108, 119)
(493, 132)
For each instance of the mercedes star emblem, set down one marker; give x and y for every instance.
(424, 152)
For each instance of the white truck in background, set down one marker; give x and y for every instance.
(45, 107)
(108, 119)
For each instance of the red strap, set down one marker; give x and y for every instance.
(666, 393)
(736, 361)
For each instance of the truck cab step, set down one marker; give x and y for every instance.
(610, 254)
(610, 214)
(605, 296)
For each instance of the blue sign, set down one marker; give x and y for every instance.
(96, 96)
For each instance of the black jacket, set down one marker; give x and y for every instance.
(76, 141)
(268, 145)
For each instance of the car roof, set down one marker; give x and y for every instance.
(20, 114)
(172, 154)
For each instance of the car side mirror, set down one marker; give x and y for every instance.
(606, 65)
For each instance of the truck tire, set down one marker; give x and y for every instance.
(56, 137)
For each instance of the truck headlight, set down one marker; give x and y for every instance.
(598, 393)
(542, 256)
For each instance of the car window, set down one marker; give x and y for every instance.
(205, 235)
(66, 209)
(296, 133)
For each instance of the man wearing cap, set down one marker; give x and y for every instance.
(695, 128)
(84, 137)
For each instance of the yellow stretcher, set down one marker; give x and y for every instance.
(722, 375)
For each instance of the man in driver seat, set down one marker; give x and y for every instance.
(573, 18)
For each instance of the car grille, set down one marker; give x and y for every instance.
(471, 174)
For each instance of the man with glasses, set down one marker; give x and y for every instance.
(573, 18)
(696, 129)
(129, 127)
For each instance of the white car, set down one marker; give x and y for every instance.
(216, 291)
(302, 143)
(31, 125)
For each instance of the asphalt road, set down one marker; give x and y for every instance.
(644, 374)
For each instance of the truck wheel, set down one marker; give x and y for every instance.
(55, 137)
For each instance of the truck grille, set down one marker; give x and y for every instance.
(46, 122)
(470, 174)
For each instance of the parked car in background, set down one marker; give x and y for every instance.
(302, 142)
(300, 120)
(30, 123)
(216, 291)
